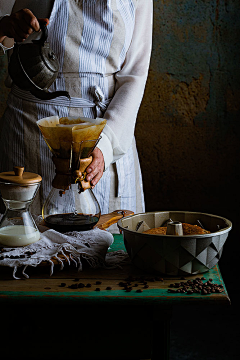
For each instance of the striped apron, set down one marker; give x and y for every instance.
(81, 35)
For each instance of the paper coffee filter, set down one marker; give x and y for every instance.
(65, 134)
(71, 120)
(90, 132)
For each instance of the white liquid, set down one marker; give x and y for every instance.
(18, 235)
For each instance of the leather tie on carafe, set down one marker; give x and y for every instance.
(65, 177)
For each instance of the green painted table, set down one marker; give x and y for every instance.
(105, 324)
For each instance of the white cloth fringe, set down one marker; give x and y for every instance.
(91, 246)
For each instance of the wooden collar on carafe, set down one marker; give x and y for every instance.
(78, 176)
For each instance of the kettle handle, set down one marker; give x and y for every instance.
(44, 35)
(43, 26)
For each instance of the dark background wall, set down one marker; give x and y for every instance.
(188, 125)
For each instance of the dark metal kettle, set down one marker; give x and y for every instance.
(34, 67)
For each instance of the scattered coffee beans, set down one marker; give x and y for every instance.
(196, 286)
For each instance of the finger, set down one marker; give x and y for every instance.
(92, 173)
(95, 174)
(45, 20)
(21, 24)
(31, 20)
(93, 166)
(17, 34)
(20, 33)
(96, 179)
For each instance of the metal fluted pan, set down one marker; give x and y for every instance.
(173, 254)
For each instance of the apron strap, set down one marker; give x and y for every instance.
(100, 104)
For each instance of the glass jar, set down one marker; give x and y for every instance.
(18, 189)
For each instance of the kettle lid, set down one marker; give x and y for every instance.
(18, 176)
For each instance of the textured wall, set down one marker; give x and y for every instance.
(188, 125)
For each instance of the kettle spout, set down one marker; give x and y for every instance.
(45, 95)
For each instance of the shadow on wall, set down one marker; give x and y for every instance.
(188, 125)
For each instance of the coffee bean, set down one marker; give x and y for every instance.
(98, 282)
(47, 288)
(62, 284)
(139, 290)
(108, 288)
(146, 286)
(73, 286)
(97, 289)
(81, 285)
(89, 285)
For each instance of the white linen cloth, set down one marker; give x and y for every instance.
(75, 246)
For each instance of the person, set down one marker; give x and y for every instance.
(104, 50)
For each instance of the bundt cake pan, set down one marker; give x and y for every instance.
(174, 254)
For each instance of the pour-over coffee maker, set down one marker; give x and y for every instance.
(71, 204)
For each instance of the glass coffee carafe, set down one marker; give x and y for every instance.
(18, 189)
(71, 204)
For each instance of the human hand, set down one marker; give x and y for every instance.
(96, 168)
(19, 25)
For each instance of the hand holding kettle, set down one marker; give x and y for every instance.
(19, 25)
(32, 67)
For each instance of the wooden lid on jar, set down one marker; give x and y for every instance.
(18, 176)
